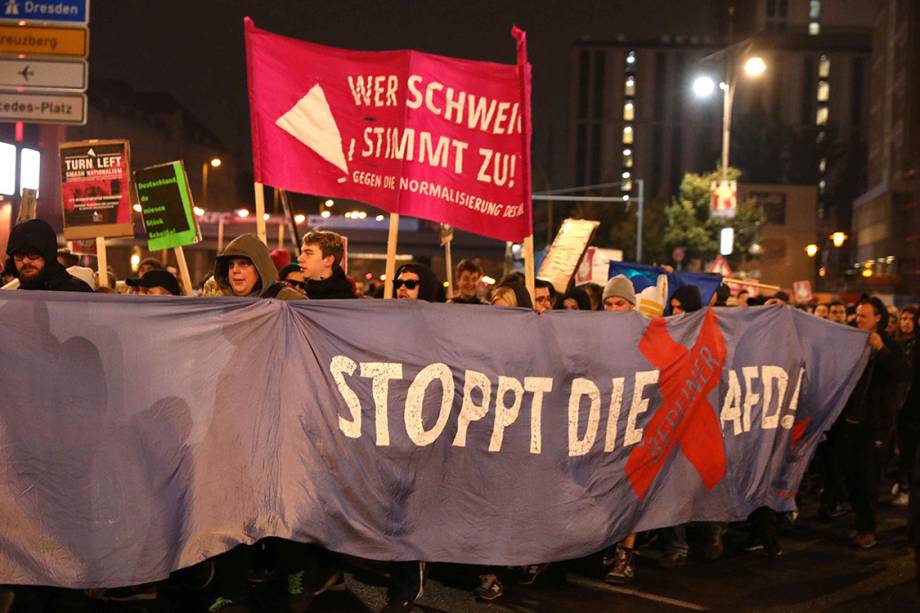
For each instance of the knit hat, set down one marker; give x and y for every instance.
(280, 257)
(620, 287)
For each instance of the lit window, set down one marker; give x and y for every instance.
(822, 165)
(629, 111)
(814, 28)
(824, 91)
(626, 185)
(7, 169)
(630, 88)
(627, 135)
(824, 67)
(814, 10)
(821, 117)
(30, 169)
(627, 159)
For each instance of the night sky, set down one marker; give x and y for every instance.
(194, 50)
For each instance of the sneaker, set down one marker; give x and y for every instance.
(398, 606)
(133, 593)
(714, 548)
(225, 605)
(901, 499)
(826, 514)
(489, 589)
(864, 540)
(532, 572)
(299, 598)
(754, 543)
(624, 568)
(673, 559)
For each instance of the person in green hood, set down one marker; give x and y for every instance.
(244, 268)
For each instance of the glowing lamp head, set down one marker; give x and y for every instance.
(703, 86)
(755, 66)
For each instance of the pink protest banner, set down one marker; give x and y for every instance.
(415, 134)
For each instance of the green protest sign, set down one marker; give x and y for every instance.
(166, 206)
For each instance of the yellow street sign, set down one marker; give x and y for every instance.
(39, 40)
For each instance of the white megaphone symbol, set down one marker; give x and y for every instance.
(311, 122)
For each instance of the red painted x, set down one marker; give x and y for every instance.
(685, 417)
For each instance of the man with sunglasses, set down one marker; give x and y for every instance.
(33, 249)
(417, 282)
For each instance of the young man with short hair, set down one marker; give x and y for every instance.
(320, 260)
(544, 296)
(466, 282)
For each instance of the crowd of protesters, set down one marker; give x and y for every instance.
(878, 429)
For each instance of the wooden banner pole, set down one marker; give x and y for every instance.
(183, 271)
(391, 256)
(220, 235)
(102, 264)
(281, 235)
(449, 265)
(775, 288)
(291, 220)
(260, 211)
(530, 277)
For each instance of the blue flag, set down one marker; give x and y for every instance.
(644, 276)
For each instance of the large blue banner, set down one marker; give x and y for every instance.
(139, 435)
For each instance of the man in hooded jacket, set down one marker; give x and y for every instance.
(245, 268)
(33, 249)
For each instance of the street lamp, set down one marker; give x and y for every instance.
(704, 86)
(811, 249)
(839, 238)
(215, 162)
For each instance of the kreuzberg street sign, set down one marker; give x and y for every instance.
(41, 40)
(43, 74)
(43, 108)
(71, 12)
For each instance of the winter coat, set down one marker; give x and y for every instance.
(335, 287)
(37, 235)
(268, 286)
(874, 401)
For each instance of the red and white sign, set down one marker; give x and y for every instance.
(723, 198)
(422, 135)
(802, 291)
(720, 267)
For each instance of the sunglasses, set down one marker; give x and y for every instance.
(409, 283)
(302, 285)
(32, 255)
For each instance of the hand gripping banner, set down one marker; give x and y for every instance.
(139, 435)
(416, 134)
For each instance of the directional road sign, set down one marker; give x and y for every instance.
(43, 108)
(43, 74)
(40, 40)
(62, 11)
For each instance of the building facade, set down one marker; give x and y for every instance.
(886, 218)
(803, 121)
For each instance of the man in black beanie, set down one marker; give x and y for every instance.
(33, 249)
